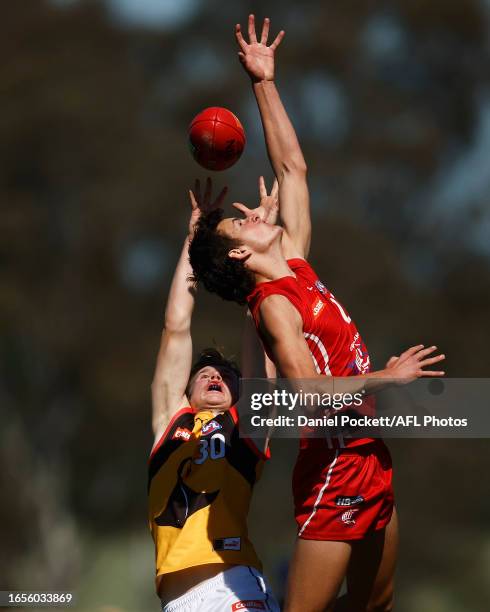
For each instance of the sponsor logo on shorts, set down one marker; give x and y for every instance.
(227, 544)
(346, 500)
(348, 517)
(182, 432)
(248, 604)
(318, 307)
(210, 427)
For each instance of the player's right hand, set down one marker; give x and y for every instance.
(268, 207)
(256, 57)
(410, 365)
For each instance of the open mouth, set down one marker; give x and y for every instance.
(215, 387)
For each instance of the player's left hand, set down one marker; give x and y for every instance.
(391, 362)
(201, 203)
(268, 207)
(411, 364)
(256, 57)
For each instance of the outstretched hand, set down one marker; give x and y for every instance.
(256, 57)
(410, 365)
(201, 203)
(268, 208)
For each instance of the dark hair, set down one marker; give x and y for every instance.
(211, 265)
(213, 357)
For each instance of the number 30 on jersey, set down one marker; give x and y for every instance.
(213, 447)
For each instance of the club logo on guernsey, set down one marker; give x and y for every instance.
(321, 287)
(183, 433)
(210, 427)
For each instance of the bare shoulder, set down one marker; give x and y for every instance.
(277, 312)
(163, 416)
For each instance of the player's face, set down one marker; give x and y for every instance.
(213, 388)
(250, 232)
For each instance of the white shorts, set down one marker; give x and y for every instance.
(239, 589)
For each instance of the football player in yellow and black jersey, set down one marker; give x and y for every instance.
(201, 472)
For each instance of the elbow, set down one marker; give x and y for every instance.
(295, 165)
(177, 325)
(177, 319)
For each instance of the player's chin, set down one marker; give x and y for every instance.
(217, 399)
(274, 232)
(268, 235)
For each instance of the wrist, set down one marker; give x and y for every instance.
(262, 82)
(385, 374)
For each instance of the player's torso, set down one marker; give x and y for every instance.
(335, 344)
(200, 486)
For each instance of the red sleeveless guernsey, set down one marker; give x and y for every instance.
(335, 345)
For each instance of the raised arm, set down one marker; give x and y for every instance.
(282, 144)
(174, 359)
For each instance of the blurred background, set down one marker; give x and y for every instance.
(391, 101)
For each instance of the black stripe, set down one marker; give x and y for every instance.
(242, 457)
(169, 446)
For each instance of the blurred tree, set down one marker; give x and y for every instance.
(94, 169)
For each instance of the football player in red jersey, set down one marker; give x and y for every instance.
(347, 525)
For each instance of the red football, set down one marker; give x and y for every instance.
(216, 138)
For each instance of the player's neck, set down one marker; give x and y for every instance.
(213, 411)
(271, 266)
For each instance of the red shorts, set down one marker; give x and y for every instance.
(343, 494)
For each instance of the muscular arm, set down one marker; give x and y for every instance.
(174, 359)
(289, 167)
(282, 325)
(282, 144)
(175, 355)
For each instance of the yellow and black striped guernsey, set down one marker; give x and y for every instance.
(201, 477)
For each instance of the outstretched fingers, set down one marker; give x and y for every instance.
(193, 200)
(275, 188)
(252, 36)
(207, 192)
(262, 188)
(265, 31)
(431, 373)
(242, 208)
(426, 351)
(431, 361)
(239, 37)
(410, 352)
(277, 40)
(219, 200)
